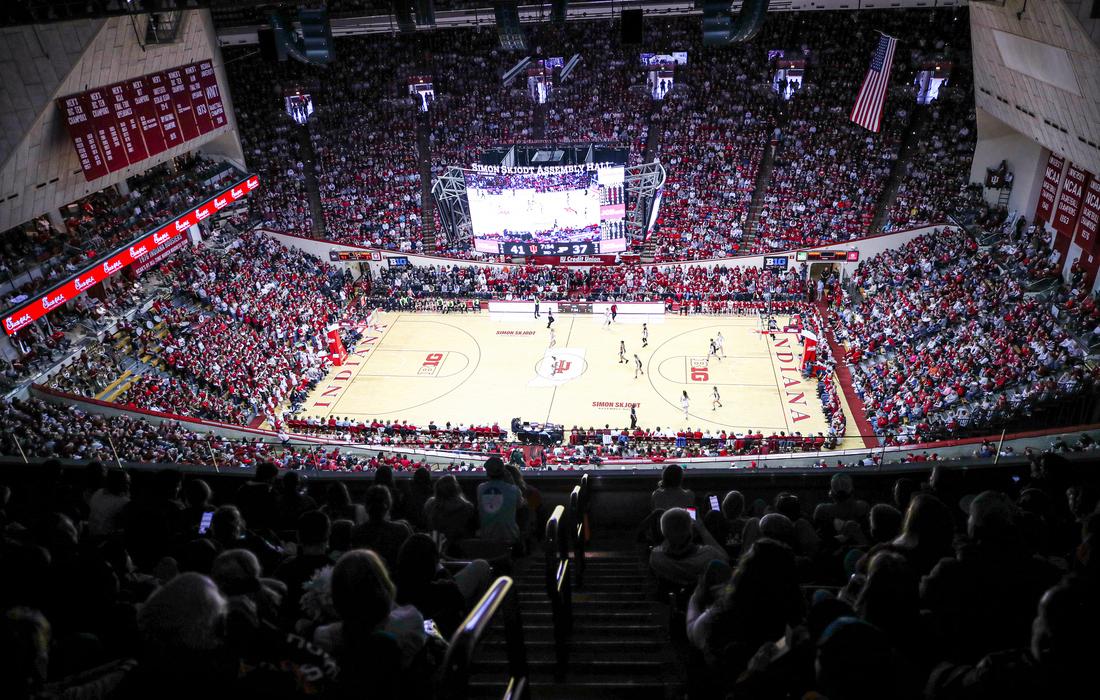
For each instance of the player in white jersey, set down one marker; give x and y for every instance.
(645, 335)
(716, 399)
(374, 320)
(685, 403)
(553, 339)
(720, 342)
(607, 319)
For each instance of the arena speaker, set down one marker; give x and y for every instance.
(512, 37)
(315, 44)
(270, 49)
(558, 10)
(632, 27)
(404, 12)
(719, 27)
(425, 13)
(316, 36)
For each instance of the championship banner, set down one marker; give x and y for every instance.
(181, 100)
(106, 131)
(1052, 177)
(139, 93)
(78, 120)
(213, 95)
(1088, 225)
(113, 126)
(198, 99)
(127, 123)
(1069, 203)
(145, 245)
(337, 353)
(166, 110)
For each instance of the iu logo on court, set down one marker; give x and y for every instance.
(558, 366)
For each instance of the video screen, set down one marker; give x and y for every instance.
(928, 82)
(422, 90)
(659, 82)
(677, 58)
(582, 207)
(300, 107)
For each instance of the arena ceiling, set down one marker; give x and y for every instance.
(1037, 69)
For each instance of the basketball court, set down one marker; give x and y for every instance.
(489, 367)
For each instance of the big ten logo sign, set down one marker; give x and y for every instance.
(699, 371)
(430, 366)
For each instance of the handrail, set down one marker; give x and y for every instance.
(456, 664)
(559, 587)
(576, 531)
(516, 690)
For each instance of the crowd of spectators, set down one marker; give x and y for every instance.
(938, 167)
(270, 140)
(159, 587)
(942, 337)
(940, 591)
(702, 289)
(100, 222)
(712, 129)
(960, 586)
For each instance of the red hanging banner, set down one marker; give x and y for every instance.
(139, 93)
(166, 110)
(181, 100)
(1069, 202)
(198, 99)
(1052, 177)
(212, 93)
(126, 120)
(1088, 224)
(78, 120)
(106, 130)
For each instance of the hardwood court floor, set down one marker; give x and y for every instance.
(481, 368)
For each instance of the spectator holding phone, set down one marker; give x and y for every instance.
(686, 550)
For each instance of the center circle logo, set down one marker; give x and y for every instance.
(561, 367)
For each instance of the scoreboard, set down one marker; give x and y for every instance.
(354, 256)
(526, 249)
(827, 256)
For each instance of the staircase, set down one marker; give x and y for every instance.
(313, 189)
(760, 188)
(619, 647)
(538, 122)
(905, 154)
(424, 164)
(652, 143)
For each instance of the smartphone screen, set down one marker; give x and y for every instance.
(204, 523)
(714, 502)
(691, 512)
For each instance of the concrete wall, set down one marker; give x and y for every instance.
(1037, 69)
(40, 170)
(1026, 158)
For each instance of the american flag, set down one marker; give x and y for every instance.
(872, 95)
